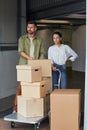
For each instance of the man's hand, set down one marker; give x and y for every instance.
(23, 54)
(31, 58)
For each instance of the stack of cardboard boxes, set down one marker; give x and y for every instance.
(36, 85)
(46, 72)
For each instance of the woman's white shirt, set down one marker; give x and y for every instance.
(60, 54)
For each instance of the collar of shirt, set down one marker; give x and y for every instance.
(32, 38)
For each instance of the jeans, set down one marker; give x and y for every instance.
(55, 77)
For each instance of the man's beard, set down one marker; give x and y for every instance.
(29, 32)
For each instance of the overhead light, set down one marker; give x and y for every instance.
(80, 16)
(42, 25)
(54, 21)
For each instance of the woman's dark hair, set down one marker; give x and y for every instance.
(58, 33)
(32, 22)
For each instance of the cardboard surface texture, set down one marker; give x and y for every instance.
(45, 65)
(30, 107)
(48, 81)
(47, 103)
(28, 73)
(33, 90)
(65, 109)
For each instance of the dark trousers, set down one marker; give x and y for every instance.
(18, 92)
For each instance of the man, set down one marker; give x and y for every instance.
(30, 47)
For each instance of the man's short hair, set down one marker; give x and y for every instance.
(32, 22)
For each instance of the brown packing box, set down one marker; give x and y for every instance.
(65, 109)
(48, 81)
(47, 103)
(30, 107)
(27, 73)
(45, 65)
(35, 90)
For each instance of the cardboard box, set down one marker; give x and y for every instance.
(28, 73)
(45, 65)
(47, 103)
(65, 109)
(48, 81)
(35, 90)
(30, 107)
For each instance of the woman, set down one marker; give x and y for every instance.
(59, 54)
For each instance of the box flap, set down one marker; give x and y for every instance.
(27, 67)
(35, 83)
(66, 91)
